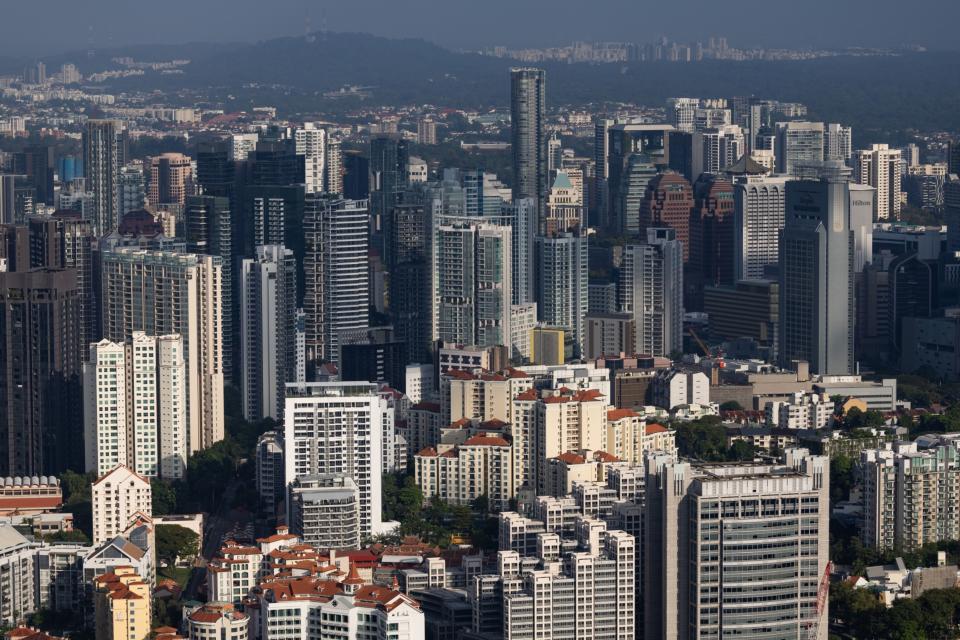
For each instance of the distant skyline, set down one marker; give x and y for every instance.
(44, 27)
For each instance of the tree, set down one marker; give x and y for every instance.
(740, 450)
(703, 439)
(175, 542)
(731, 405)
(841, 477)
(164, 497)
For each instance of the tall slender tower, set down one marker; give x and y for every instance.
(102, 157)
(651, 289)
(529, 145)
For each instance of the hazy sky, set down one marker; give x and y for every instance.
(33, 27)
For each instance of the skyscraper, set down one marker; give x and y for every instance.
(668, 202)
(40, 372)
(879, 167)
(410, 278)
(651, 289)
(528, 140)
(337, 288)
(135, 406)
(163, 293)
(650, 142)
(562, 272)
(171, 181)
(311, 143)
(472, 268)
(711, 238)
(817, 276)
(208, 221)
(388, 179)
(102, 157)
(798, 142)
(715, 149)
(837, 142)
(132, 188)
(337, 428)
(757, 221)
(267, 290)
(705, 527)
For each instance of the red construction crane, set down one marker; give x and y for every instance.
(813, 628)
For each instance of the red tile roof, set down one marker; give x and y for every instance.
(486, 441)
(655, 428)
(619, 414)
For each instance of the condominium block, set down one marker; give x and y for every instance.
(118, 497)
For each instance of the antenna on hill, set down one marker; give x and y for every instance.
(308, 28)
(90, 51)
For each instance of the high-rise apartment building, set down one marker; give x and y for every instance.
(528, 138)
(333, 167)
(798, 143)
(118, 497)
(163, 293)
(651, 289)
(817, 276)
(312, 145)
(562, 278)
(837, 142)
(171, 181)
(389, 157)
(209, 231)
(132, 188)
(335, 267)
(757, 220)
(337, 428)
(426, 131)
(473, 275)
(268, 294)
(102, 159)
(411, 299)
(122, 605)
(716, 148)
(879, 167)
(719, 539)
(135, 406)
(899, 484)
(40, 358)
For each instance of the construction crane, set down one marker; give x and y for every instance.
(813, 628)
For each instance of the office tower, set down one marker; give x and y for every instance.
(388, 179)
(760, 117)
(757, 220)
(564, 205)
(135, 407)
(817, 276)
(118, 498)
(598, 193)
(208, 221)
(132, 189)
(472, 267)
(900, 482)
(702, 526)
(554, 153)
(562, 275)
(668, 202)
(241, 145)
(680, 154)
(163, 293)
(356, 176)
(711, 238)
(325, 511)
(410, 278)
(651, 289)
(311, 143)
(102, 155)
(748, 309)
(528, 114)
(39, 372)
(951, 210)
(337, 283)
(837, 142)
(64, 240)
(953, 157)
(122, 605)
(879, 167)
(373, 355)
(798, 142)
(36, 163)
(171, 180)
(426, 131)
(650, 141)
(216, 170)
(337, 428)
(923, 185)
(333, 167)
(716, 148)
(268, 294)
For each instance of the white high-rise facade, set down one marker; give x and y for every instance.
(337, 428)
(758, 219)
(651, 288)
(716, 148)
(164, 293)
(117, 498)
(879, 167)
(798, 143)
(311, 143)
(268, 316)
(135, 411)
(837, 142)
(336, 269)
(562, 270)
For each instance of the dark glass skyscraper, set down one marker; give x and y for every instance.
(102, 159)
(388, 179)
(528, 143)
